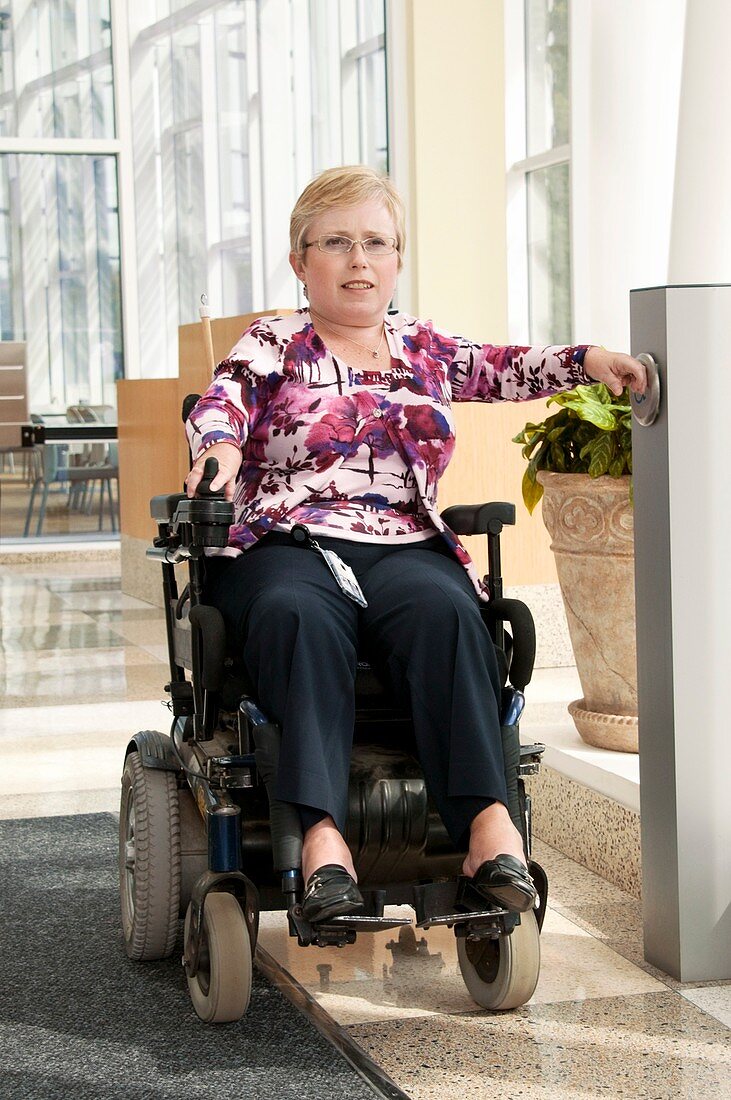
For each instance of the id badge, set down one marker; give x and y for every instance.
(343, 574)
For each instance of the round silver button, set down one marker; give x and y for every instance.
(646, 406)
(378, 413)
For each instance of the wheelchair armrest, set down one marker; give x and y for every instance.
(523, 655)
(162, 508)
(479, 519)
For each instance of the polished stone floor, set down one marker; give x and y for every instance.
(82, 666)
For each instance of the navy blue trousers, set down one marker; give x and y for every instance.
(300, 637)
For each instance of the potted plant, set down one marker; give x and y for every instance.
(580, 462)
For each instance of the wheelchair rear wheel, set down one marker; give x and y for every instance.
(502, 973)
(221, 987)
(149, 860)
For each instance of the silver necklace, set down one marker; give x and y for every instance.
(375, 352)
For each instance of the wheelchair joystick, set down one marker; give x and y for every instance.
(210, 470)
(204, 520)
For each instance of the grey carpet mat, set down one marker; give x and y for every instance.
(79, 1020)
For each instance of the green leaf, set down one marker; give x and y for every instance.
(602, 453)
(585, 403)
(616, 466)
(558, 458)
(532, 489)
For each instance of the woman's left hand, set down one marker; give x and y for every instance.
(615, 370)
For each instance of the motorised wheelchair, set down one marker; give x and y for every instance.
(202, 835)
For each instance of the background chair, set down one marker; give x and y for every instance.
(59, 474)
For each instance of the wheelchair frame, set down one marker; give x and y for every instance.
(219, 764)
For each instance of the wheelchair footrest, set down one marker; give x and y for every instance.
(482, 916)
(366, 923)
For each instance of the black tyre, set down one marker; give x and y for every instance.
(502, 973)
(221, 988)
(149, 860)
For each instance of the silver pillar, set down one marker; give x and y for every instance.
(682, 494)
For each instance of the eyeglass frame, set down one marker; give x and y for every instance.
(383, 236)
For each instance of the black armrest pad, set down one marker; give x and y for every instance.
(162, 508)
(475, 519)
(519, 616)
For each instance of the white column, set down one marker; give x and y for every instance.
(683, 598)
(626, 60)
(126, 189)
(700, 244)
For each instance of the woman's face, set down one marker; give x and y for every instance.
(352, 288)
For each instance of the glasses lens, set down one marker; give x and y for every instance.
(333, 243)
(379, 246)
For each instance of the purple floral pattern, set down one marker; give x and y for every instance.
(359, 452)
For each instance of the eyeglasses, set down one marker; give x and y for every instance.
(334, 244)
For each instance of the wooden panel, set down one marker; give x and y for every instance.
(194, 373)
(488, 466)
(148, 449)
(153, 453)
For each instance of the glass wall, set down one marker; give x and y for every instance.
(56, 69)
(547, 184)
(235, 107)
(60, 275)
(538, 184)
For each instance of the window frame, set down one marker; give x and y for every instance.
(519, 166)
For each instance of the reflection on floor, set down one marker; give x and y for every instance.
(82, 666)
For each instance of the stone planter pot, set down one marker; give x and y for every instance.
(591, 526)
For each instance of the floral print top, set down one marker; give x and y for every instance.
(356, 453)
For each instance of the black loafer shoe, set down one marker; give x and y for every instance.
(330, 892)
(505, 881)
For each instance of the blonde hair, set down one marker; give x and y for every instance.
(346, 186)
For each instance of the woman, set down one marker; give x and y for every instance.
(339, 418)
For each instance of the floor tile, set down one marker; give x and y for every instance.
(125, 614)
(102, 600)
(141, 632)
(654, 1046)
(35, 617)
(416, 972)
(33, 725)
(138, 679)
(43, 636)
(715, 1000)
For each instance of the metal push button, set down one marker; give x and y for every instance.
(646, 406)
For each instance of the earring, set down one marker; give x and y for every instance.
(304, 289)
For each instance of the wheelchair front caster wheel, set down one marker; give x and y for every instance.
(502, 973)
(149, 860)
(221, 988)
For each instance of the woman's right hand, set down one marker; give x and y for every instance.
(229, 460)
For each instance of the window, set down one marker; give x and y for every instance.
(538, 144)
(250, 101)
(59, 228)
(60, 275)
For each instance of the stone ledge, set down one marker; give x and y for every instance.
(39, 553)
(586, 799)
(588, 827)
